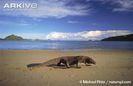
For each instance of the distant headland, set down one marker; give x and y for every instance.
(128, 37)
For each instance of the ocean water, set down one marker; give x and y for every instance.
(64, 45)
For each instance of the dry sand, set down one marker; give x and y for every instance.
(112, 65)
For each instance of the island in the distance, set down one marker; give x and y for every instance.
(13, 37)
(120, 38)
(18, 38)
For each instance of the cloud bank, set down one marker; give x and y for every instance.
(86, 35)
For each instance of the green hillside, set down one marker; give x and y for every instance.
(13, 37)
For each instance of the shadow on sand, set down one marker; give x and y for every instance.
(56, 67)
(61, 66)
(37, 65)
(50, 65)
(29, 66)
(33, 65)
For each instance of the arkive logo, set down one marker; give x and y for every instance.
(20, 5)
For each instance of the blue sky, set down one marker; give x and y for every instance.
(67, 19)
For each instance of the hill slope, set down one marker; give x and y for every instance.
(13, 37)
(120, 38)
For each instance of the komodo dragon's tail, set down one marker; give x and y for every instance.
(47, 63)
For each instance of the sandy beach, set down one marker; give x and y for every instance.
(111, 65)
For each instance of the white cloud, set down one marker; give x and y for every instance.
(61, 8)
(120, 5)
(48, 8)
(124, 5)
(86, 35)
(110, 33)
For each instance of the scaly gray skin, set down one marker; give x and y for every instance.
(66, 60)
(74, 60)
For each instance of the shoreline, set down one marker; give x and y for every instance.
(66, 49)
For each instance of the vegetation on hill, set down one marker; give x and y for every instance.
(120, 38)
(13, 37)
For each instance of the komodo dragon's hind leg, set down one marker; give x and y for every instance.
(62, 61)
